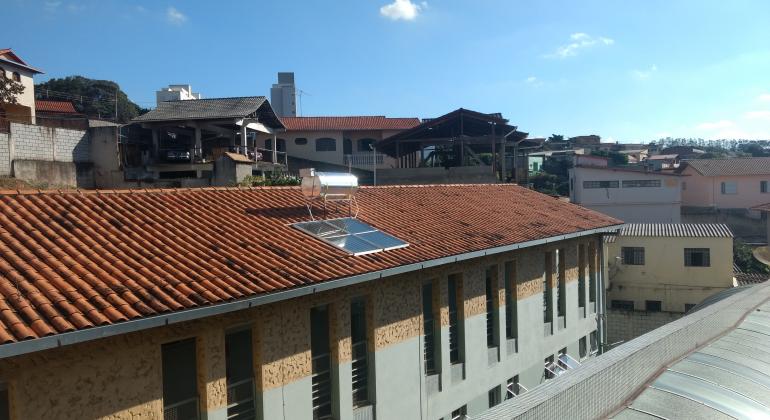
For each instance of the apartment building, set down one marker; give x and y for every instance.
(735, 183)
(632, 194)
(232, 303)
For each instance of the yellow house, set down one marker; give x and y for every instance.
(667, 267)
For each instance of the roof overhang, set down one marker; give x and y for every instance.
(5, 61)
(59, 340)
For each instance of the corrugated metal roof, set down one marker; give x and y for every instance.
(731, 167)
(677, 230)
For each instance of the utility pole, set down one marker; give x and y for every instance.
(374, 164)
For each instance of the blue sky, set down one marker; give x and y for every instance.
(628, 71)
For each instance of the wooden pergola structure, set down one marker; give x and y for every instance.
(459, 138)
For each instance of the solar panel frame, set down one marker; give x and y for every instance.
(351, 235)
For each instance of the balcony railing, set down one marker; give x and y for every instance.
(429, 347)
(364, 159)
(240, 400)
(182, 410)
(360, 373)
(322, 387)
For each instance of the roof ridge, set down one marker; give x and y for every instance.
(214, 99)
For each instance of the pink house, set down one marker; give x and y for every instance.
(737, 183)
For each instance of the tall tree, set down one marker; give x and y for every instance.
(10, 89)
(95, 98)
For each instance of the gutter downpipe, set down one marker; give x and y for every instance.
(601, 310)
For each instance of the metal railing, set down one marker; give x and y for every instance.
(429, 346)
(182, 410)
(364, 159)
(490, 322)
(454, 337)
(322, 387)
(360, 373)
(240, 400)
(259, 154)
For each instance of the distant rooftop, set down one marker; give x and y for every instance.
(214, 108)
(676, 230)
(351, 123)
(730, 167)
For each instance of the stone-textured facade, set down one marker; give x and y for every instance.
(120, 377)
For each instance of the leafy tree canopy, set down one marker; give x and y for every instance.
(95, 98)
(10, 89)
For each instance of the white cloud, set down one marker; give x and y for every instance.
(765, 97)
(758, 115)
(531, 79)
(644, 74)
(715, 125)
(402, 10)
(580, 41)
(51, 6)
(175, 17)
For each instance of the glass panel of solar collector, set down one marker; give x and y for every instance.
(351, 235)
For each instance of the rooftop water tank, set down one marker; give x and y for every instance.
(328, 186)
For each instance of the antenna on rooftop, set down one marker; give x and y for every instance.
(301, 92)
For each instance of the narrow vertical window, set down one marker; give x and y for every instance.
(511, 301)
(547, 291)
(455, 334)
(561, 290)
(763, 186)
(582, 348)
(592, 272)
(180, 380)
(460, 413)
(239, 366)
(491, 290)
(429, 329)
(320, 353)
(494, 396)
(582, 276)
(360, 364)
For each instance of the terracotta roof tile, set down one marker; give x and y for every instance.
(377, 122)
(76, 260)
(61, 107)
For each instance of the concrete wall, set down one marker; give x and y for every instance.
(453, 175)
(703, 191)
(55, 156)
(624, 326)
(635, 205)
(664, 276)
(120, 377)
(748, 225)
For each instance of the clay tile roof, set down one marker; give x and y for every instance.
(731, 166)
(61, 107)
(72, 261)
(744, 279)
(348, 123)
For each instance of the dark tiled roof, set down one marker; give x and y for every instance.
(731, 167)
(72, 261)
(209, 109)
(62, 107)
(348, 123)
(679, 230)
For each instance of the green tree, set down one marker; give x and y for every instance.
(744, 259)
(95, 98)
(10, 89)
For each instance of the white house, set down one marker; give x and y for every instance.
(176, 93)
(632, 195)
(13, 67)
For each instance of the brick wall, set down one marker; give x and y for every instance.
(34, 142)
(5, 156)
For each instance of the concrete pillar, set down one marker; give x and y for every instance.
(243, 148)
(155, 143)
(198, 150)
(275, 149)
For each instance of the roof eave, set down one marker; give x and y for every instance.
(59, 340)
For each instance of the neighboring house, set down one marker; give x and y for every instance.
(635, 155)
(537, 159)
(176, 93)
(13, 67)
(668, 267)
(214, 303)
(734, 183)
(764, 209)
(59, 114)
(684, 152)
(179, 141)
(661, 162)
(337, 142)
(631, 194)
